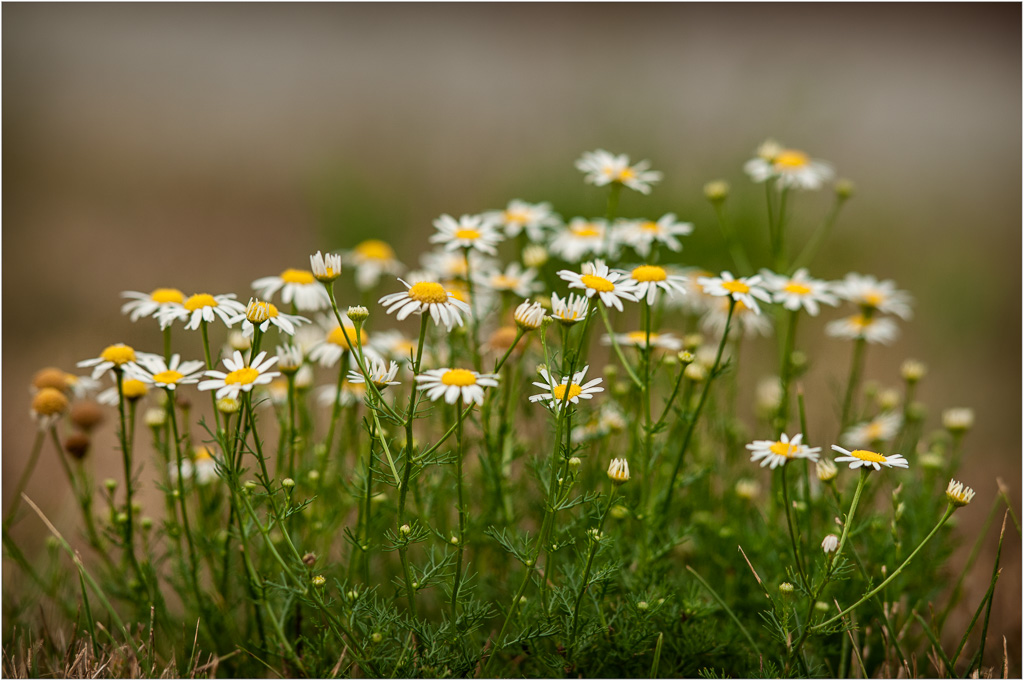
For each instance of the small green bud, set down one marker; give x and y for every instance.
(686, 357)
(319, 581)
(716, 191)
(287, 483)
(121, 518)
(786, 589)
(454, 540)
(313, 476)
(642, 606)
(228, 405)
(821, 606)
(405, 530)
(912, 370)
(358, 314)
(110, 484)
(575, 463)
(844, 189)
(146, 522)
(376, 636)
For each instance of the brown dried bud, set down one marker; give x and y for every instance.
(50, 377)
(87, 414)
(309, 559)
(77, 445)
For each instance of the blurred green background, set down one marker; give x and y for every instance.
(203, 146)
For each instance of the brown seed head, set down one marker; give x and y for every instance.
(86, 414)
(50, 377)
(77, 445)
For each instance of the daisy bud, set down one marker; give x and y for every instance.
(619, 512)
(357, 313)
(594, 534)
(309, 559)
(77, 445)
(958, 421)
(694, 372)
(821, 606)
(748, 489)
(86, 415)
(574, 463)
(110, 484)
(319, 580)
(888, 399)
(146, 522)
(786, 589)
(932, 460)
(716, 191)
(912, 370)
(692, 341)
(326, 267)
(239, 341)
(958, 494)
(289, 359)
(686, 357)
(258, 312)
(642, 606)
(288, 483)
(313, 476)
(618, 471)
(830, 543)
(535, 256)
(916, 411)
(249, 485)
(121, 518)
(844, 189)
(405, 530)
(454, 540)
(50, 377)
(529, 316)
(228, 405)
(304, 377)
(827, 471)
(376, 637)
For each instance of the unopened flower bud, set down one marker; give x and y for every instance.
(786, 589)
(155, 417)
(912, 370)
(716, 191)
(958, 420)
(86, 415)
(376, 637)
(618, 471)
(748, 489)
(319, 580)
(959, 494)
(77, 445)
(642, 606)
(827, 471)
(821, 606)
(309, 559)
(535, 256)
(692, 341)
(844, 189)
(146, 522)
(110, 484)
(695, 372)
(239, 341)
(830, 543)
(357, 313)
(287, 483)
(686, 357)
(574, 463)
(888, 399)
(405, 530)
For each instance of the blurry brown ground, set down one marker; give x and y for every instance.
(203, 146)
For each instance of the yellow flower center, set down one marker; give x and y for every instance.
(49, 401)
(375, 249)
(167, 295)
(649, 226)
(649, 273)
(468, 234)
(516, 216)
(168, 376)
(501, 281)
(118, 354)
(459, 377)
(51, 377)
(785, 449)
(790, 159)
(640, 337)
(626, 174)
(798, 289)
(587, 230)
(243, 376)
(134, 389)
(260, 312)
(428, 292)
(860, 321)
(338, 337)
(597, 283)
(874, 431)
(202, 453)
(200, 300)
(865, 455)
(291, 276)
(873, 298)
(735, 286)
(559, 391)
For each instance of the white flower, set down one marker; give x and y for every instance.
(581, 237)
(602, 167)
(879, 429)
(202, 307)
(336, 343)
(612, 287)
(520, 215)
(154, 370)
(798, 291)
(618, 471)
(447, 265)
(426, 296)
(874, 330)
(296, 286)
(381, 374)
(569, 310)
(871, 294)
(451, 384)
(371, 259)
(264, 314)
(204, 467)
(326, 266)
(863, 457)
(186, 470)
(240, 377)
(830, 543)
(514, 280)
(744, 289)
(743, 318)
(958, 419)
(649, 278)
(469, 231)
(118, 357)
(789, 167)
(774, 453)
(529, 316)
(151, 304)
(289, 358)
(642, 234)
(565, 390)
(638, 339)
(958, 494)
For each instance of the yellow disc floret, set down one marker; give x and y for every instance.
(585, 230)
(649, 273)
(50, 377)
(337, 337)
(258, 312)
(375, 249)
(640, 337)
(597, 283)
(167, 295)
(790, 159)
(785, 449)
(865, 455)
(243, 376)
(459, 377)
(134, 389)
(199, 301)
(467, 234)
(118, 354)
(796, 288)
(428, 292)
(168, 376)
(559, 391)
(735, 286)
(49, 402)
(290, 276)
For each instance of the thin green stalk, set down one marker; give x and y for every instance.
(739, 256)
(33, 458)
(786, 372)
(728, 610)
(696, 414)
(193, 562)
(657, 655)
(474, 320)
(594, 543)
(818, 238)
(780, 231)
(979, 658)
(618, 350)
(209, 365)
(459, 450)
(126, 457)
(856, 366)
(797, 558)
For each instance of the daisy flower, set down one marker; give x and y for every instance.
(798, 291)
(381, 375)
(774, 453)
(529, 316)
(863, 457)
(151, 304)
(873, 330)
(469, 231)
(879, 429)
(117, 357)
(601, 168)
(240, 377)
(618, 471)
(566, 390)
(326, 266)
(569, 310)
(534, 218)
(640, 235)
(446, 265)
(959, 494)
(789, 167)
(426, 296)
(48, 405)
(154, 370)
(289, 358)
(513, 280)
(579, 238)
(330, 349)
(638, 339)
(204, 467)
(371, 259)
(296, 286)
(650, 278)
(596, 278)
(871, 294)
(133, 390)
(451, 384)
(265, 314)
(743, 290)
(202, 307)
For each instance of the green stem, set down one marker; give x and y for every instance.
(618, 350)
(786, 372)
(33, 458)
(780, 230)
(474, 322)
(789, 524)
(594, 543)
(209, 366)
(856, 367)
(739, 256)
(811, 249)
(461, 509)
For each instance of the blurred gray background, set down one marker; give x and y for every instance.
(203, 146)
